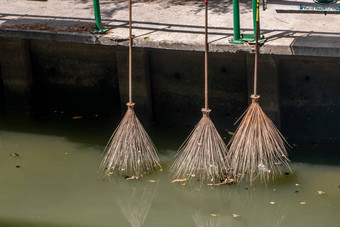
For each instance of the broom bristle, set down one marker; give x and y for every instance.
(203, 154)
(130, 150)
(257, 149)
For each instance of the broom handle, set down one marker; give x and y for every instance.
(130, 51)
(256, 45)
(206, 55)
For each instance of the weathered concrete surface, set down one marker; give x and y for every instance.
(47, 72)
(299, 92)
(72, 78)
(176, 25)
(16, 75)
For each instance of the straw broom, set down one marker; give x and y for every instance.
(203, 154)
(130, 150)
(257, 149)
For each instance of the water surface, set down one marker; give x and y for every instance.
(54, 182)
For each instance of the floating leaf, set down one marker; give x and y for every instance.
(236, 215)
(231, 133)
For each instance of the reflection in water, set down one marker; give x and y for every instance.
(206, 203)
(135, 200)
(241, 201)
(206, 220)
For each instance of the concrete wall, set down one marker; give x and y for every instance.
(42, 78)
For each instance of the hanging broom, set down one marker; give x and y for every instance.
(257, 149)
(130, 150)
(203, 154)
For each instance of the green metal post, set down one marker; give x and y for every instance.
(254, 17)
(99, 28)
(236, 14)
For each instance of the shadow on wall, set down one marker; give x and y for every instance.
(309, 91)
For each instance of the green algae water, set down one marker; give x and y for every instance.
(54, 182)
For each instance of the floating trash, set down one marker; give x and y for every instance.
(231, 133)
(179, 180)
(303, 203)
(77, 117)
(321, 192)
(14, 155)
(236, 215)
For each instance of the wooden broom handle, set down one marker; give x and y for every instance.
(130, 51)
(256, 45)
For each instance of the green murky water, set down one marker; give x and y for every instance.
(56, 183)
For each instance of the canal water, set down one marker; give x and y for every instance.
(54, 182)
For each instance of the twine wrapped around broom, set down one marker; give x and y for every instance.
(257, 149)
(203, 154)
(130, 150)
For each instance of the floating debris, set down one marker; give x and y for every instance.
(146, 37)
(179, 180)
(152, 181)
(160, 170)
(321, 192)
(132, 178)
(17, 166)
(14, 155)
(110, 173)
(303, 203)
(286, 173)
(296, 191)
(264, 168)
(236, 215)
(272, 203)
(231, 133)
(297, 185)
(213, 215)
(77, 117)
(224, 181)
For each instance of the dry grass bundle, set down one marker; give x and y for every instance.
(203, 154)
(130, 150)
(136, 202)
(257, 149)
